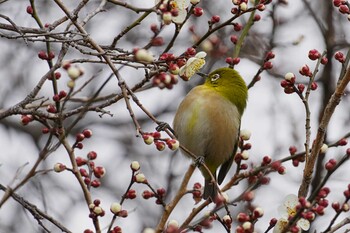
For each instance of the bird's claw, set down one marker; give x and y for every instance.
(199, 161)
(162, 126)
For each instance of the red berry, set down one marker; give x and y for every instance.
(344, 9)
(324, 60)
(191, 51)
(147, 194)
(305, 71)
(257, 18)
(43, 55)
(236, 60)
(83, 172)
(267, 160)
(95, 183)
(80, 161)
(339, 56)
(348, 152)
(157, 41)
(267, 65)
(51, 108)
(30, 10)
(45, 130)
(92, 155)
(314, 54)
(154, 28)
(79, 137)
(99, 171)
(270, 55)
(215, 19)
(342, 142)
(276, 165)
(337, 3)
(57, 75)
(197, 11)
(56, 98)
(51, 55)
(79, 145)
(233, 39)
(314, 86)
(87, 133)
(229, 60)
(301, 87)
(237, 27)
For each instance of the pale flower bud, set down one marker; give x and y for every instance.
(245, 134)
(289, 76)
(245, 155)
(115, 208)
(173, 223)
(243, 6)
(140, 178)
(194, 2)
(258, 212)
(324, 148)
(167, 17)
(247, 225)
(226, 218)
(74, 72)
(135, 165)
(148, 230)
(98, 210)
(71, 84)
(59, 167)
(144, 55)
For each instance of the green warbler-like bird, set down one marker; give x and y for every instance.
(207, 123)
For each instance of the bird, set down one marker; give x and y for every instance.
(207, 123)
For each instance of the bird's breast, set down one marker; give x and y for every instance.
(207, 124)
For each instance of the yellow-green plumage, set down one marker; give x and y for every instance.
(207, 122)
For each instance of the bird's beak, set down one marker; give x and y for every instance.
(202, 74)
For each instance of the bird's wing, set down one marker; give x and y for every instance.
(225, 167)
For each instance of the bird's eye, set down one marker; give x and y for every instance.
(215, 77)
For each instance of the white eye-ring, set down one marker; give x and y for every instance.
(215, 77)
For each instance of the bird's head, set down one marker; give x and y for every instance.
(229, 83)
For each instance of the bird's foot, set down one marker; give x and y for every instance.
(162, 126)
(199, 161)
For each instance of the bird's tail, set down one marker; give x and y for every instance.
(210, 189)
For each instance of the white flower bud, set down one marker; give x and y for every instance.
(324, 148)
(148, 230)
(135, 165)
(98, 210)
(167, 17)
(226, 218)
(140, 178)
(247, 225)
(74, 72)
(258, 212)
(245, 155)
(245, 134)
(243, 6)
(59, 167)
(71, 84)
(289, 76)
(173, 223)
(194, 2)
(144, 55)
(115, 208)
